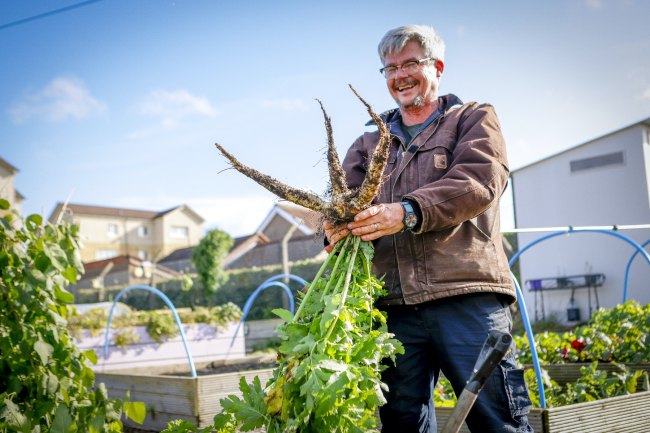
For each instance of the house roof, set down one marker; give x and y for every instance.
(307, 221)
(83, 209)
(299, 248)
(8, 166)
(184, 208)
(645, 122)
(179, 254)
(243, 245)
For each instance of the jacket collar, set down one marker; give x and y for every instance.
(393, 117)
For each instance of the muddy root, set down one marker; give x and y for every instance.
(372, 181)
(282, 190)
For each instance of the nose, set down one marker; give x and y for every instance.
(400, 73)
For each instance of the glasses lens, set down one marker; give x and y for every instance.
(410, 67)
(389, 71)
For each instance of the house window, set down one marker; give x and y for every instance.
(143, 231)
(179, 232)
(111, 230)
(615, 158)
(105, 254)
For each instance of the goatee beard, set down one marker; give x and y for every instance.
(417, 103)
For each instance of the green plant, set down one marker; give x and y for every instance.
(124, 337)
(46, 384)
(443, 393)
(161, 326)
(549, 347)
(330, 358)
(207, 257)
(619, 334)
(551, 388)
(592, 385)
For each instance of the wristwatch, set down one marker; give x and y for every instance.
(410, 218)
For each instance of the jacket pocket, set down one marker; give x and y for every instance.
(434, 159)
(433, 164)
(460, 254)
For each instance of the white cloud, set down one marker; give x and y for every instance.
(62, 98)
(171, 107)
(284, 104)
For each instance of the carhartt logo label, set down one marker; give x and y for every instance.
(440, 161)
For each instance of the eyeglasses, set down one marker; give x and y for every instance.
(410, 67)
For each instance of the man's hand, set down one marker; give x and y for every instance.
(377, 221)
(334, 234)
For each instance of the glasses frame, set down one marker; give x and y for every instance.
(384, 71)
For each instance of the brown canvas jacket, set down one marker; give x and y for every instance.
(456, 170)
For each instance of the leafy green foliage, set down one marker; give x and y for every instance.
(160, 324)
(207, 257)
(620, 334)
(593, 384)
(330, 358)
(46, 384)
(443, 393)
(617, 335)
(125, 337)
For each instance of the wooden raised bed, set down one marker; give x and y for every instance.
(625, 414)
(170, 394)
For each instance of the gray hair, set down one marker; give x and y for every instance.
(396, 39)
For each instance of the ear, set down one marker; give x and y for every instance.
(440, 67)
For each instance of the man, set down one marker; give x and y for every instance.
(435, 226)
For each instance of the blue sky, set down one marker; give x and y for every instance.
(119, 102)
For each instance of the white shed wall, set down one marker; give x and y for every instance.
(548, 194)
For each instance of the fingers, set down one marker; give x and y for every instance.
(334, 234)
(370, 212)
(377, 221)
(371, 231)
(372, 223)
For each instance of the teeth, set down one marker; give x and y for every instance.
(404, 87)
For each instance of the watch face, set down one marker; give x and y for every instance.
(410, 220)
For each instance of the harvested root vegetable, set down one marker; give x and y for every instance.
(330, 360)
(344, 204)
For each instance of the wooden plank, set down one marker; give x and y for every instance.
(534, 419)
(154, 384)
(214, 388)
(625, 414)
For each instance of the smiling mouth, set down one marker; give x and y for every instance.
(405, 86)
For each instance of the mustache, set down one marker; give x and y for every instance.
(403, 82)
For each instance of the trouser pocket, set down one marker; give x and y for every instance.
(518, 398)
